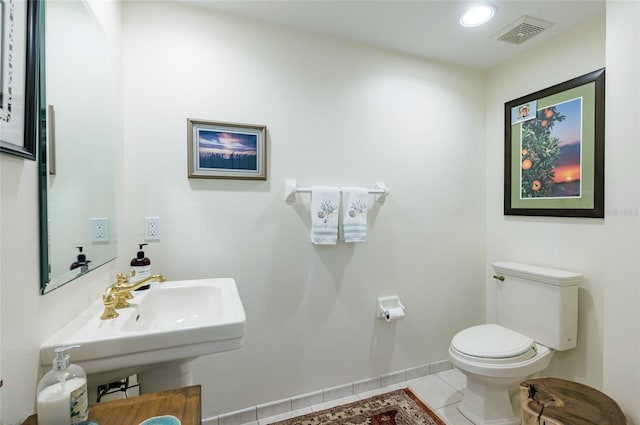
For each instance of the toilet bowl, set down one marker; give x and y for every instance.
(493, 359)
(537, 313)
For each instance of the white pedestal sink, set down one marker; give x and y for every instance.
(156, 338)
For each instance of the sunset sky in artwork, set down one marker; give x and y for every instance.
(221, 142)
(569, 132)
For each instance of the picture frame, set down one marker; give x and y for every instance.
(223, 150)
(554, 158)
(19, 76)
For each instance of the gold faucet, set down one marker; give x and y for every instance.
(109, 300)
(116, 295)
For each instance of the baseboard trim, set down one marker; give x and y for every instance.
(251, 415)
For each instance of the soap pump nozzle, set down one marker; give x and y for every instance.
(140, 253)
(81, 256)
(61, 360)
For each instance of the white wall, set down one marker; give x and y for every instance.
(564, 243)
(19, 275)
(605, 251)
(337, 114)
(26, 317)
(621, 326)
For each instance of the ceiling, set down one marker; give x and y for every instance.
(424, 28)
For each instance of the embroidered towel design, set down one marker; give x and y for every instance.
(354, 214)
(324, 215)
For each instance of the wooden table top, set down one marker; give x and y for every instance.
(562, 402)
(183, 403)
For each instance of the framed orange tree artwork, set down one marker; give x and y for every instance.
(554, 150)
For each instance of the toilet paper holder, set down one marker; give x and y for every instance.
(390, 308)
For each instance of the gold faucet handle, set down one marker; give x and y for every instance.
(121, 279)
(108, 297)
(109, 300)
(121, 301)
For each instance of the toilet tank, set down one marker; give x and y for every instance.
(539, 302)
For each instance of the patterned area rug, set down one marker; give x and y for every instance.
(400, 407)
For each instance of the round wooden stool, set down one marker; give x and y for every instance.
(553, 401)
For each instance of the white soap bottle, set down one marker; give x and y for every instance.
(62, 392)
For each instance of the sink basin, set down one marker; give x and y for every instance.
(165, 328)
(165, 308)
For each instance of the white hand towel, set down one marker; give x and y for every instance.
(354, 214)
(325, 201)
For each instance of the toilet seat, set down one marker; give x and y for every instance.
(493, 344)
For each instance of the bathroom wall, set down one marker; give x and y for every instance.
(566, 243)
(337, 114)
(19, 276)
(605, 251)
(621, 328)
(26, 317)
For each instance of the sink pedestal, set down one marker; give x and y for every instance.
(166, 377)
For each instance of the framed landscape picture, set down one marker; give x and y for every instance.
(554, 150)
(219, 150)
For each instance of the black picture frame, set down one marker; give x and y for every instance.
(22, 24)
(554, 150)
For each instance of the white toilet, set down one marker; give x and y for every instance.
(537, 313)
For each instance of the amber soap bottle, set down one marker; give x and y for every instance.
(141, 267)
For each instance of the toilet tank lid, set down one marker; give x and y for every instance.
(491, 341)
(538, 274)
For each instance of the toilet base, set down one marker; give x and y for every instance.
(487, 401)
(478, 421)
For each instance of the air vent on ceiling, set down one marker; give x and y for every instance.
(522, 30)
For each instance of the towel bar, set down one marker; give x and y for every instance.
(291, 188)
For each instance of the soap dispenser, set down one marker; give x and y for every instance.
(81, 262)
(62, 392)
(141, 267)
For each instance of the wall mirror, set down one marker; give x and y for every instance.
(77, 143)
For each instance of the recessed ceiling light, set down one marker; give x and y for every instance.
(478, 15)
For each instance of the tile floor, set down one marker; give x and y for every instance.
(440, 391)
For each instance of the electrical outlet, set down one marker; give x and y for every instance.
(100, 229)
(152, 228)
